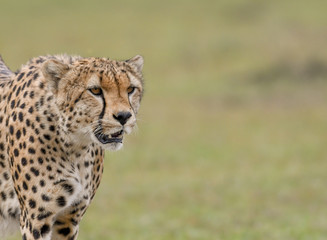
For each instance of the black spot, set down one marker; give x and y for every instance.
(11, 194)
(18, 91)
(68, 188)
(42, 183)
(12, 104)
(47, 137)
(29, 73)
(3, 196)
(9, 97)
(1, 163)
(34, 189)
(6, 176)
(35, 171)
(40, 160)
(31, 150)
(16, 152)
(58, 223)
(18, 134)
(20, 76)
(14, 116)
(24, 85)
(11, 129)
(45, 198)
(43, 215)
(45, 229)
(25, 185)
(97, 179)
(30, 110)
(61, 201)
(32, 203)
(35, 76)
(24, 161)
(27, 176)
(75, 210)
(36, 234)
(64, 231)
(40, 60)
(21, 116)
(22, 106)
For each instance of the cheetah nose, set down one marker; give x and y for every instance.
(122, 117)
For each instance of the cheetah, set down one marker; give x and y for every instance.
(58, 115)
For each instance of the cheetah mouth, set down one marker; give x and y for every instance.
(112, 138)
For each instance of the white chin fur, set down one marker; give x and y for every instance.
(112, 146)
(128, 130)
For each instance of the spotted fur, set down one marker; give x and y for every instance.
(57, 116)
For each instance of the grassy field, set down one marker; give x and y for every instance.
(232, 128)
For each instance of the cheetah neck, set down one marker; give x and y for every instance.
(72, 144)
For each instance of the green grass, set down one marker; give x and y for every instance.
(232, 129)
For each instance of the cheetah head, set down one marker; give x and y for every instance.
(97, 98)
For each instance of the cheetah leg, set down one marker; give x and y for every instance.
(33, 229)
(66, 227)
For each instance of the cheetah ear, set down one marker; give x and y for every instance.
(136, 62)
(53, 71)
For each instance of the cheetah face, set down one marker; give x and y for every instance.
(98, 99)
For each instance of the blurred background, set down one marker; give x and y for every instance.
(232, 126)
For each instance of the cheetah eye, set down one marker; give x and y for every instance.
(96, 91)
(130, 90)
